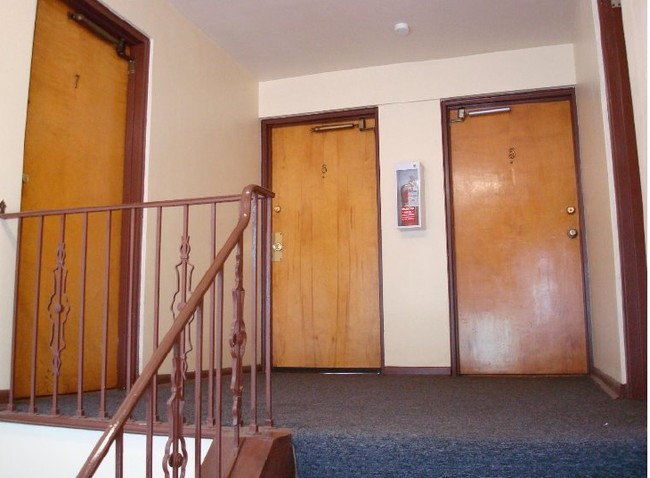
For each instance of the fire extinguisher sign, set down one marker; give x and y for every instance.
(409, 194)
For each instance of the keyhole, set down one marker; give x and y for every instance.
(76, 81)
(323, 170)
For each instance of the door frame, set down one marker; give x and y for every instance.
(134, 170)
(267, 126)
(497, 100)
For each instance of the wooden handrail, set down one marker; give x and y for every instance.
(184, 316)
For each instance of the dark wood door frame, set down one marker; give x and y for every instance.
(629, 201)
(343, 115)
(134, 160)
(488, 101)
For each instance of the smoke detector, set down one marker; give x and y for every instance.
(402, 29)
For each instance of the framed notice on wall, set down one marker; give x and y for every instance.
(409, 195)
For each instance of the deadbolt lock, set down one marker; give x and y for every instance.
(570, 210)
(277, 209)
(277, 247)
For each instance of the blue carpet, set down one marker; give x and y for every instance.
(387, 426)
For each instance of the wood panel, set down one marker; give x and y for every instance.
(519, 275)
(74, 156)
(326, 287)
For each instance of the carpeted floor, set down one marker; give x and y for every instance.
(390, 426)
(417, 426)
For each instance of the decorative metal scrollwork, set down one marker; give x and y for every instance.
(58, 309)
(237, 343)
(184, 270)
(176, 455)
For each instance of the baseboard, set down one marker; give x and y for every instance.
(439, 371)
(166, 377)
(610, 386)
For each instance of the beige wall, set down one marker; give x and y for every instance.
(17, 30)
(203, 131)
(204, 139)
(415, 282)
(635, 24)
(599, 206)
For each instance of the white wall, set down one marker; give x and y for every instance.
(203, 131)
(18, 31)
(598, 193)
(415, 282)
(75, 445)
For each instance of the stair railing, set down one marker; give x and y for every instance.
(175, 460)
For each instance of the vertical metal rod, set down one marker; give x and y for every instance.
(156, 306)
(119, 454)
(149, 429)
(185, 255)
(107, 288)
(219, 377)
(237, 341)
(12, 378)
(212, 318)
(82, 316)
(131, 373)
(37, 306)
(254, 315)
(198, 388)
(266, 254)
(59, 292)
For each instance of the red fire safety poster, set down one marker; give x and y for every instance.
(409, 193)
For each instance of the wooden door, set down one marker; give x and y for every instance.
(326, 285)
(518, 265)
(74, 156)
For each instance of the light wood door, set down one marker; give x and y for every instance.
(326, 286)
(519, 278)
(74, 156)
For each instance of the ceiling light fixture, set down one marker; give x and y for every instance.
(402, 29)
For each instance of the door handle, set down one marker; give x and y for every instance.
(572, 233)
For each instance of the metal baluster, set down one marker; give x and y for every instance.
(219, 377)
(82, 316)
(156, 307)
(237, 342)
(266, 318)
(107, 282)
(212, 320)
(175, 450)
(253, 427)
(58, 309)
(37, 306)
(11, 406)
(119, 455)
(198, 387)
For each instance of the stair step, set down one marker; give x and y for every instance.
(267, 454)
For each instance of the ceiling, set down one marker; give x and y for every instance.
(284, 38)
